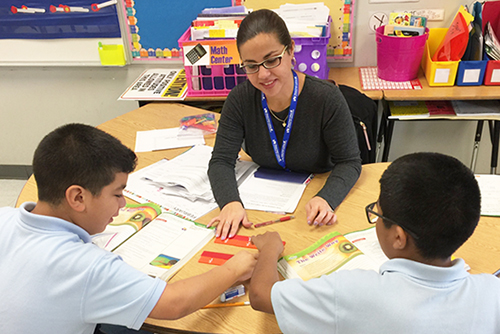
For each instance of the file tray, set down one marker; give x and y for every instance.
(438, 73)
(211, 65)
(471, 72)
(492, 74)
(310, 53)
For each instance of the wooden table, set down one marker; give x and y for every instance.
(481, 252)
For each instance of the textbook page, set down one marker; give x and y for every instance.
(367, 242)
(489, 186)
(331, 253)
(164, 245)
(131, 218)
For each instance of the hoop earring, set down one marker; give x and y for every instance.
(294, 62)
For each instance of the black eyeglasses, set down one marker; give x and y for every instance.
(372, 217)
(268, 63)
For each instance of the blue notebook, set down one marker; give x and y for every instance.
(281, 175)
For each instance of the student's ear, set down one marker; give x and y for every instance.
(400, 238)
(75, 197)
(292, 49)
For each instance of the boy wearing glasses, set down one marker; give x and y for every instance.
(429, 205)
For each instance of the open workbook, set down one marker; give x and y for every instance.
(162, 246)
(355, 250)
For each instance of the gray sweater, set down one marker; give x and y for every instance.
(322, 139)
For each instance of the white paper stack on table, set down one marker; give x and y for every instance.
(181, 186)
(163, 139)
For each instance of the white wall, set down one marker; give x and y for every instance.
(35, 100)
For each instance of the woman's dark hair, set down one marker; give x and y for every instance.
(434, 194)
(263, 21)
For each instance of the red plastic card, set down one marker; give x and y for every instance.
(238, 241)
(214, 258)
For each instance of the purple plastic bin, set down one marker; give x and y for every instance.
(398, 58)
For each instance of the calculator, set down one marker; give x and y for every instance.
(196, 53)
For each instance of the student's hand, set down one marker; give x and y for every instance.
(229, 219)
(269, 242)
(243, 263)
(319, 212)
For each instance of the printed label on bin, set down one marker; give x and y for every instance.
(216, 53)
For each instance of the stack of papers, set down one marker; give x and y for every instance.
(476, 108)
(408, 109)
(181, 186)
(305, 20)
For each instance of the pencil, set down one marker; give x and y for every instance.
(282, 219)
(226, 305)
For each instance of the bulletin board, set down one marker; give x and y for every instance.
(154, 26)
(43, 32)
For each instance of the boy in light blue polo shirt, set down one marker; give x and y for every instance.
(429, 205)
(53, 279)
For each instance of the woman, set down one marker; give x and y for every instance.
(310, 114)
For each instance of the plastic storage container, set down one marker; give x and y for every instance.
(310, 54)
(471, 72)
(398, 58)
(438, 73)
(111, 54)
(492, 73)
(209, 79)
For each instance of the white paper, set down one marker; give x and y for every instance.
(269, 195)
(367, 242)
(471, 76)
(495, 76)
(164, 139)
(441, 75)
(489, 185)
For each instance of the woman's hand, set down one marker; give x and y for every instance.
(229, 219)
(319, 212)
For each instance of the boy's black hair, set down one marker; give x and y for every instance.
(78, 154)
(437, 196)
(263, 21)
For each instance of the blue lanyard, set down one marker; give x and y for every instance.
(280, 156)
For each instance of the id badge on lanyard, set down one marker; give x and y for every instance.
(280, 154)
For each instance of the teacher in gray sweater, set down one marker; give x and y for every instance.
(283, 119)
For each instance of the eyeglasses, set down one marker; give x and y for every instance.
(372, 217)
(268, 63)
